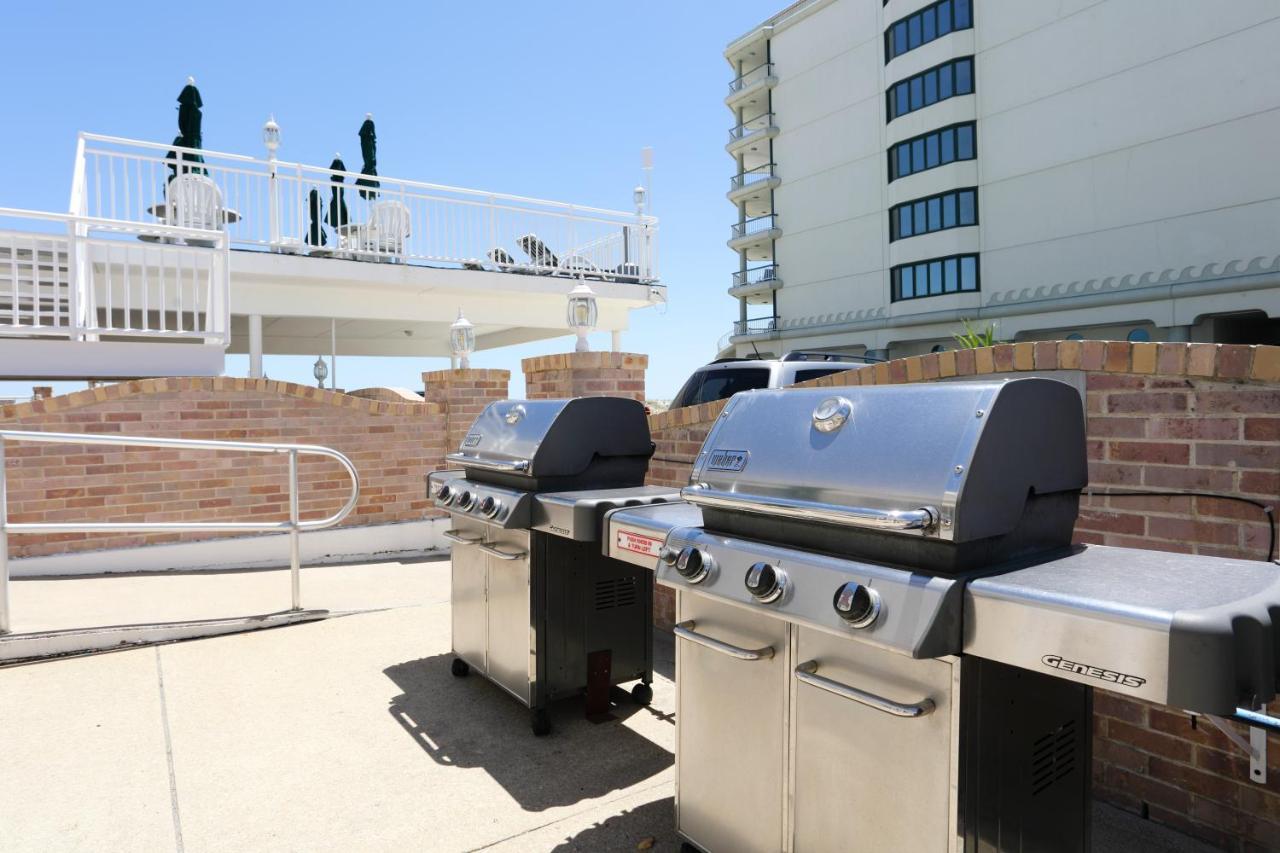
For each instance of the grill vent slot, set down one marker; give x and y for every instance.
(615, 592)
(1053, 756)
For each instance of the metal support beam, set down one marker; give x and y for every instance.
(255, 346)
(333, 353)
(616, 341)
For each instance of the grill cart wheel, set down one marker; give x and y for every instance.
(642, 694)
(540, 721)
(460, 668)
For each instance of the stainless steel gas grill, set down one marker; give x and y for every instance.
(886, 641)
(536, 607)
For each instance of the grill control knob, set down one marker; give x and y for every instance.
(465, 499)
(766, 582)
(445, 495)
(489, 506)
(669, 555)
(857, 605)
(694, 564)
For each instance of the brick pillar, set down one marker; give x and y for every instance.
(464, 394)
(585, 374)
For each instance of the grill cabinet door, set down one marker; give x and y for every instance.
(467, 600)
(509, 628)
(731, 729)
(867, 781)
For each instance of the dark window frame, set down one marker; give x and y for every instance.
(945, 14)
(895, 214)
(901, 89)
(909, 145)
(895, 276)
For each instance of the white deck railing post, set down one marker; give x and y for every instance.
(5, 626)
(295, 558)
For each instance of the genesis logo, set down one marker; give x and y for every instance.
(1108, 675)
(471, 440)
(727, 460)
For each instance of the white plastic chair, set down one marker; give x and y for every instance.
(386, 231)
(195, 202)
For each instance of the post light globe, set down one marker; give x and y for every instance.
(637, 196)
(271, 135)
(582, 313)
(320, 371)
(462, 340)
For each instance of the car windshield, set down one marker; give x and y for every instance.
(706, 386)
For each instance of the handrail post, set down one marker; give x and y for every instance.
(5, 627)
(294, 557)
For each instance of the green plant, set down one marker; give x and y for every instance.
(972, 338)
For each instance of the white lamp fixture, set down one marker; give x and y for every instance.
(271, 136)
(320, 371)
(582, 313)
(462, 340)
(637, 196)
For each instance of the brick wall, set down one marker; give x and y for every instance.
(1175, 417)
(585, 374)
(393, 445)
(463, 394)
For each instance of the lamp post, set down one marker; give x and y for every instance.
(582, 314)
(320, 371)
(271, 139)
(462, 340)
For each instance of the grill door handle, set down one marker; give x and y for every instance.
(504, 555)
(806, 673)
(685, 630)
(463, 538)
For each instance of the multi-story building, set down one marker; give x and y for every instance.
(1094, 168)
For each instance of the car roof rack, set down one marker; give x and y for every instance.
(819, 355)
(730, 358)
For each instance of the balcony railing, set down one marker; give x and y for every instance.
(83, 278)
(750, 78)
(755, 326)
(754, 226)
(755, 124)
(758, 275)
(751, 176)
(268, 205)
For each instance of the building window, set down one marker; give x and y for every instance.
(931, 22)
(952, 209)
(928, 87)
(934, 277)
(933, 149)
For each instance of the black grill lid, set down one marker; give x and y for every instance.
(581, 442)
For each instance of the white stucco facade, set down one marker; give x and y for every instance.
(1126, 173)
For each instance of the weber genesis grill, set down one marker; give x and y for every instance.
(886, 641)
(536, 607)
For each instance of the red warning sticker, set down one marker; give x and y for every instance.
(639, 543)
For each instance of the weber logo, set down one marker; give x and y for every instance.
(1108, 675)
(471, 440)
(727, 460)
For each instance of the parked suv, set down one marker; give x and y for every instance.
(725, 377)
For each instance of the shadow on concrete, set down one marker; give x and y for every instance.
(626, 830)
(470, 722)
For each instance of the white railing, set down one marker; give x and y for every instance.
(749, 78)
(83, 278)
(294, 525)
(265, 205)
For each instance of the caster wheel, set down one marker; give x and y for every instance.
(540, 721)
(460, 668)
(642, 694)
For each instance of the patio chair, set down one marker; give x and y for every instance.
(502, 260)
(194, 201)
(538, 252)
(386, 231)
(577, 265)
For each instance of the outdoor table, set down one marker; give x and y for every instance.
(160, 210)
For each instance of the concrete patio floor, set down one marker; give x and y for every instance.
(346, 734)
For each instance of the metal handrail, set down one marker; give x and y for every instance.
(925, 519)
(293, 525)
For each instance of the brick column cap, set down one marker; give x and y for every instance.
(585, 361)
(471, 374)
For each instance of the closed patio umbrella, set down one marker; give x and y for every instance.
(369, 151)
(338, 200)
(190, 121)
(315, 208)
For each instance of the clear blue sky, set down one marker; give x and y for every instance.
(552, 100)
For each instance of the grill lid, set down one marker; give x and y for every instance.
(555, 441)
(950, 461)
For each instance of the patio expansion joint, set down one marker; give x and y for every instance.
(168, 754)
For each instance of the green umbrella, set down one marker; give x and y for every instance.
(190, 133)
(369, 151)
(315, 206)
(338, 202)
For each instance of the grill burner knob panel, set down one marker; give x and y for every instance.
(445, 495)
(857, 605)
(694, 564)
(466, 499)
(766, 582)
(489, 506)
(669, 555)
